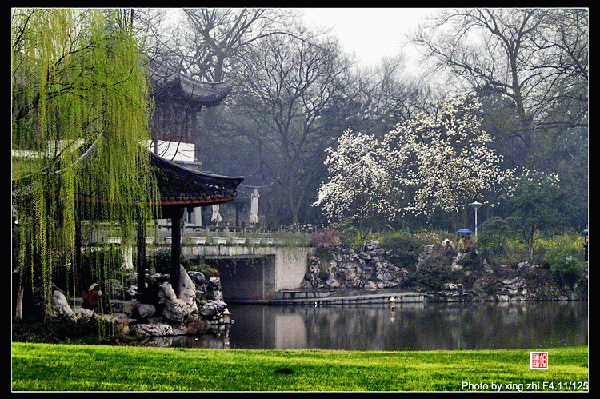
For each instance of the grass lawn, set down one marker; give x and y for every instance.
(132, 368)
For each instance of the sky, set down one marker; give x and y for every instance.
(370, 33)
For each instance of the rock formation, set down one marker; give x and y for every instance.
(368, 269)
(180, 308)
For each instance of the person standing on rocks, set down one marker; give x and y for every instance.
(467, 242)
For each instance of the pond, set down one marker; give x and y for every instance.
(411, 326)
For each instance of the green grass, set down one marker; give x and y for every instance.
(127, 368)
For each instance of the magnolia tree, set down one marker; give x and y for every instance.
(454, 163)
(439, 161)
(359, 182)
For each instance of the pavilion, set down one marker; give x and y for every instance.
(178, 98)
(182, 188)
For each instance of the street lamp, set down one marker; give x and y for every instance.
(476, 205)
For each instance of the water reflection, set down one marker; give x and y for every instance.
(208, 341)
(411, 326)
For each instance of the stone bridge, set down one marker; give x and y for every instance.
(253, 264)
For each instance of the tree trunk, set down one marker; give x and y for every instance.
(142, 263)
(17, 295)
(203, 138)
(78, 262)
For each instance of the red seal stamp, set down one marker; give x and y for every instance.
(538, 360)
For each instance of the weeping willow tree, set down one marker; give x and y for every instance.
(80, 114)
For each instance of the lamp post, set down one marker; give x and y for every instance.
(476, 205)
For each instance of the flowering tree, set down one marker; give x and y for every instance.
(432, 161)
(359, 182)
(453, 163)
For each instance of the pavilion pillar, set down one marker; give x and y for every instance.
(176, 223)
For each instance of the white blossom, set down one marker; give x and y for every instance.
(432, 161)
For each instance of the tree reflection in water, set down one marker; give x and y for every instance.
(411, 326)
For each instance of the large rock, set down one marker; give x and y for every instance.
(153, 330)
(187, 288)
(332, 282)
(60, 306)
(132, 292)
(423, 256)
(213, 310)
(214, 284)
(83, 313)
(179, 308)
(372, 245)
(199, 281)
(144, 310)
(198, 278)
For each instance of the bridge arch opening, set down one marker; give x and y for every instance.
(250, 277)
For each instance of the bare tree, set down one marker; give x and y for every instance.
(289, 84)
(535, 57)
(216, 41)
(387, 97)
(222, 36)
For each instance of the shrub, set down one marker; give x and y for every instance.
(500, 245)
(566, 264)
(160, 261)
(428, 238)
(493, 235)
(55, 330)
(404, 249)
(329, 238)
(471, 261)
(208, 271)
(434, 273)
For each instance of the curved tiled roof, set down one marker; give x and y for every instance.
(169, 85)
(179, 185)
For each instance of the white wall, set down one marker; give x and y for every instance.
(174, 151)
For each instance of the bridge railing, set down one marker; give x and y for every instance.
(231, 235)
(160, 234)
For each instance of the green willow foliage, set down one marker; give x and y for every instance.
(80, 115)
